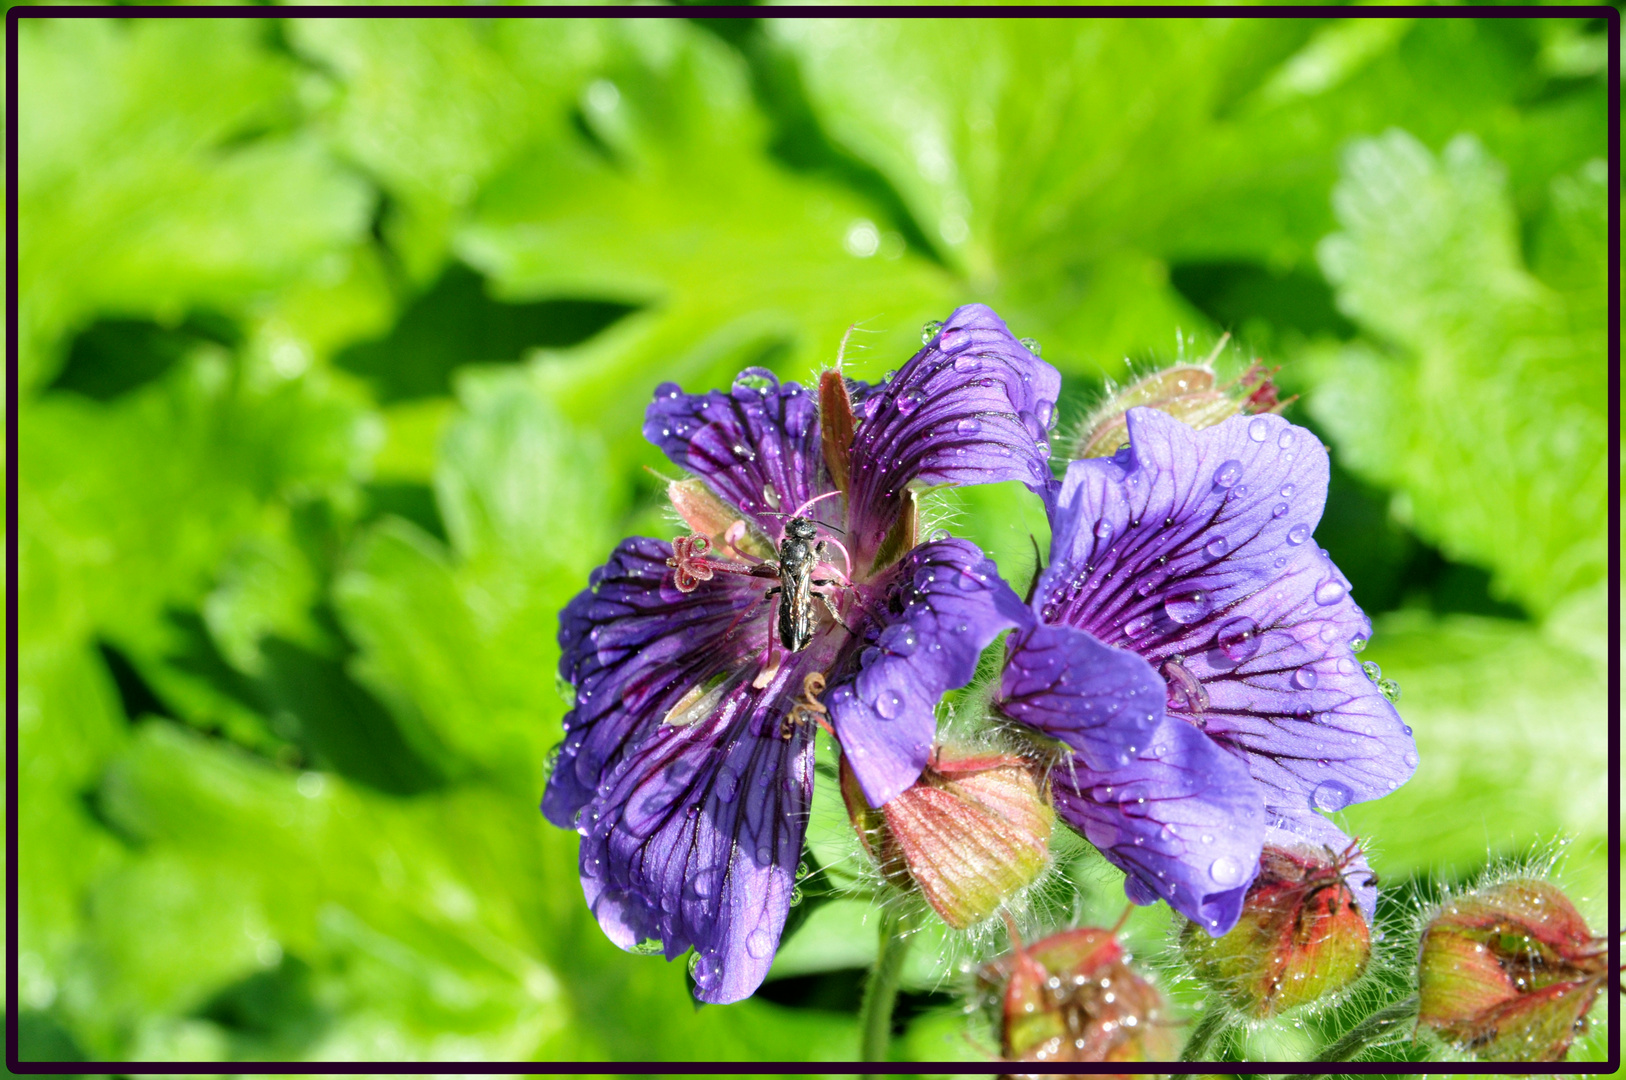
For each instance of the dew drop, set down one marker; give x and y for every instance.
(1410, 759)
(1258, 429)
(1217, 546)
(1357, 644)
(1279, 511)
(728, 784)
(1304, 678)
(888, 704)
(910, 400)
(1331, 795)
(868, 657)
(1137, 626)
(900, 640)
(743, 452)
(1373, 672)
(1225, 871)
(968, 426)
(648, 947)
(1298, 534)
(759, 944)
(967, 363)
(1286, 440)
(1031, 345)
(1103, 530)
(955, 339)
(1389, 689)
(929, 331)
(1239, 639)
(1329, 592)
(566, 691)
(1188, 607)
(1228, 474)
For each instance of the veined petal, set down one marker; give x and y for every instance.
(695, 838)
(633, 647)
(757, 445)
(1102, 702)
(927, 621)
(972, 407)
(1194, 550)
(1182, 819)
(1288, 830)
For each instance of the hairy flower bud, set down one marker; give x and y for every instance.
(1186, 392)
(1509, 972)
(1073, 997)
(970, 833)
(1301, 935)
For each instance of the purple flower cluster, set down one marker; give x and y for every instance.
(1186, 642)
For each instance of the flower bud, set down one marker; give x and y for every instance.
(1509, 972)
(970, 833)
(1301, 935)
(1073, 997)
(1186, 392)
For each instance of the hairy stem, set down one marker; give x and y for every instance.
(1369, 1032)
(881, 989)
(1205, 1037)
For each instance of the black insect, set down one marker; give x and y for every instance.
(798, 554)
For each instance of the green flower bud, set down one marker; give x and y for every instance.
(1073, 997)
(1186, 392)
(1508, 972)
(968, 835)
(1301, 936)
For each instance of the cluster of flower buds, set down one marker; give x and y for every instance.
(968, 835)
(1301, 936)
(1187, 392)
(1073, 997)
(1508, 972)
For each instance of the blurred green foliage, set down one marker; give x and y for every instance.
(335, 337)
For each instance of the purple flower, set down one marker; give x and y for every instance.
(687, 760)
(1196, 652)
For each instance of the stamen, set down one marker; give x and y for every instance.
(802, 509)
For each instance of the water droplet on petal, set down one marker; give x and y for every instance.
(1239, 639)
(910, 400)
(1373, 672)
(1218, 546)
(929, 331)
(888, 704)
(1329, 592)
(939, 534)
(1188, 607)
(1286, 440)
(967, 363)
(1298, 534)
(1410, 759)
(1228, 474)
(868, 656)
(954, 340)
(1259, 429)
(1331, 795)
(1357, 644)
(1389, 689)
(1030, 345)
(1137, 626)
(968, 426)
(1226, 871)
(1279, 511)
(728, 784)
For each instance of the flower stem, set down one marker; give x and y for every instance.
(1369, 1032)
(881, 990)
(1205, 1037)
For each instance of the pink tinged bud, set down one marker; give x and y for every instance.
(1187, 392)
(1509, 972)
(1073, 997)
(968, 835)
(1301, 936)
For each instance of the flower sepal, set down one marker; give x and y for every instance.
(1188, 392)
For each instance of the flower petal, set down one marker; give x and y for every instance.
(1309, 828)
(1183, 820)
(1102, 702)
(1194, 549)
(972, 407)
(930, 617)
(633, 646)
(696, 838)
(757, 445)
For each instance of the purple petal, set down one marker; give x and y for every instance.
(1183, 820)
(1307, 829)
(632, 645)
(931, 617)
(1194, 549)
(1102, 702)
(695, 839)
(973, 407)
(757, 445)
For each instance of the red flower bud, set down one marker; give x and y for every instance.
(1186, 392)
(1509, 972)
(970, 833)
(1301, 935)
(1073, 997)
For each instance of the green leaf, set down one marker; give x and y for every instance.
(199, 196)
(1484, 401)
(462, 643)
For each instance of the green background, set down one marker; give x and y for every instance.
(335, 339)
